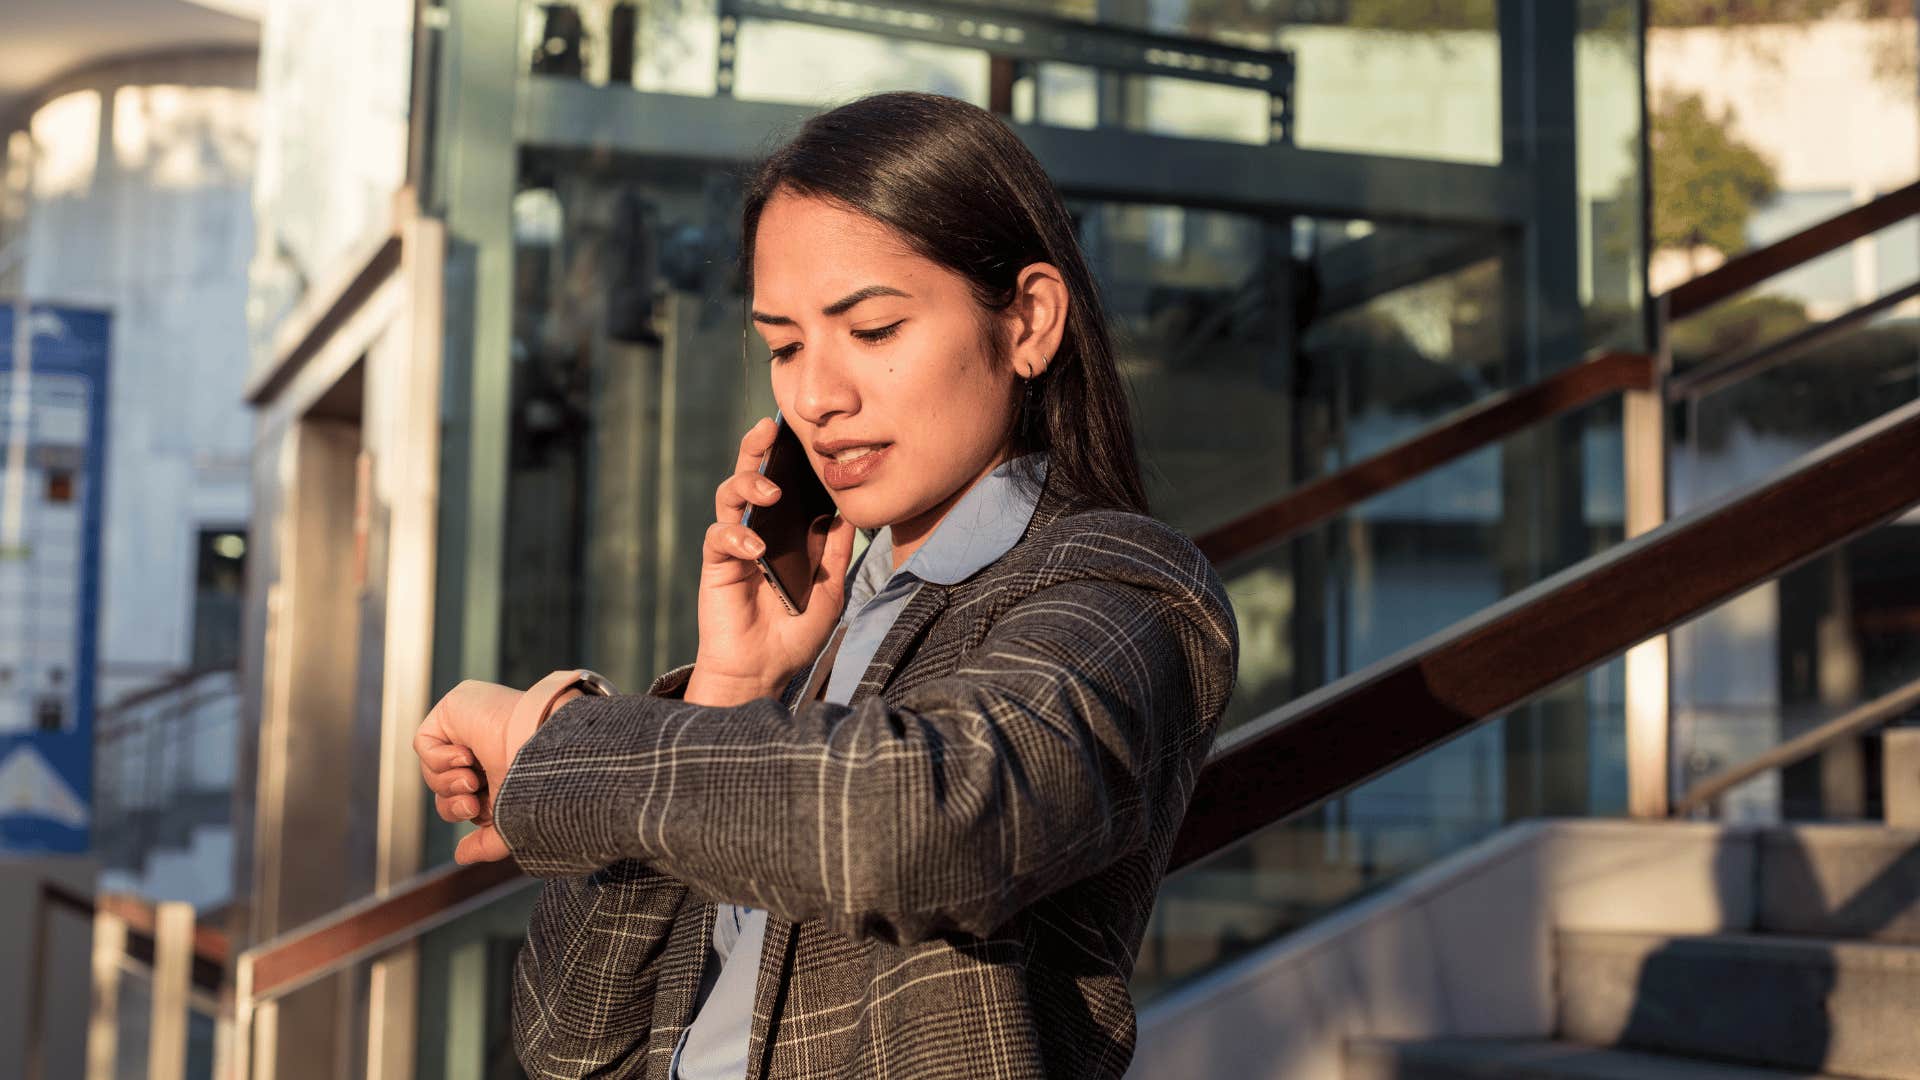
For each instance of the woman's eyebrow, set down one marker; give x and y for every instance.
(838, 307)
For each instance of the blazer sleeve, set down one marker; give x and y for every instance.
(1073, 732)
(585, 979)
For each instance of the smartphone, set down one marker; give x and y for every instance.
(795, 528)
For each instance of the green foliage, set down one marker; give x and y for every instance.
(1705, 180)
(1732, 327)
(1828, 390)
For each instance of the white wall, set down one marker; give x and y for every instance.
(141, 176)
(334, 88)
(1815, 101)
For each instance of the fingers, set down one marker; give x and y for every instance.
(830, 579)
(738, 491)
(726, 543)
(481, 845)
(454, 782)
(437, 754)
(754, 445)
(442, 763)
(457, 807)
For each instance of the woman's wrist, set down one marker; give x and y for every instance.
(707, 688)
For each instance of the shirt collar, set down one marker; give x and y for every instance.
(984, 525)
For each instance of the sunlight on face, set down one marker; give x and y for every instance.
(899, 385)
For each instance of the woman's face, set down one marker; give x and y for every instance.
(881, 362)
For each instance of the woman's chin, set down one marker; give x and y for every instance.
(860, 512)
(870, 509)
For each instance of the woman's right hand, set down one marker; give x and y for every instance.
(750, 647)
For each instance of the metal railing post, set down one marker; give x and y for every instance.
(103, 1025)
(172, 987)
(1649, 705)
(1900, 790)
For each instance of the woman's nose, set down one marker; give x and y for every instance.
(824, 388)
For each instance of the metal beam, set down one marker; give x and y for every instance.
(559, 114)
(1031, 36)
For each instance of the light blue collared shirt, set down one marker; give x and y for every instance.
(982, 526)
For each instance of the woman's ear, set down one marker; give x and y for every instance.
(1039, 318)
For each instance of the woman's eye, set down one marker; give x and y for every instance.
(880, 334)
(783, 353)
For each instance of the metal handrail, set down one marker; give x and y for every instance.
(178, 680)
(1473, 428)
(1720, 374)
(1751, 268)
(1850, 724)
(1339, 737)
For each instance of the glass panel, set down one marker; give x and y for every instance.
(1736, 436)
(1608, 99)
(133, 1028)
(466, 1026)
(1282, 877)
(1785, 657)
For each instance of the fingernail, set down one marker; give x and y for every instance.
(466, 808)
(765, 488)
(463, 760)
(754, 547)
(465, 784)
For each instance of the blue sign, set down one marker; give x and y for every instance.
(53, 428)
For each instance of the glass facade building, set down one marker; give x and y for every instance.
(1318, 226)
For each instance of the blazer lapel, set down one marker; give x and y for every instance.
(682, 967)
(769, 991)
(928, 601)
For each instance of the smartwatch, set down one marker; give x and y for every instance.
(541, 697)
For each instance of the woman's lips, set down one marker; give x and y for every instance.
(840, 475)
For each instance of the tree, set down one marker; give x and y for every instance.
(1706, 181)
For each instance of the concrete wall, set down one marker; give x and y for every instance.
(1463, 948)
(69, 950)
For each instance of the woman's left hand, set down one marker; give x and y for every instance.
(465, 746)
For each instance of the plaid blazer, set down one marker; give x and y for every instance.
(957, 865)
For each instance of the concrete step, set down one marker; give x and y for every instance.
(1504, 1059)
(1840, 881)
(1772, 1000)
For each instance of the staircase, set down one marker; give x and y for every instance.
(1824, 980)
(164, 762)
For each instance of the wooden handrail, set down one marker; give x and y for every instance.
(210, 947)
(1479, 425)
(1854, 722)
(1750, 269)
(360, 930)
(1359, 727)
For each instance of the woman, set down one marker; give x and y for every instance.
(917, 830)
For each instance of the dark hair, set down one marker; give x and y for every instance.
(965, 192)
